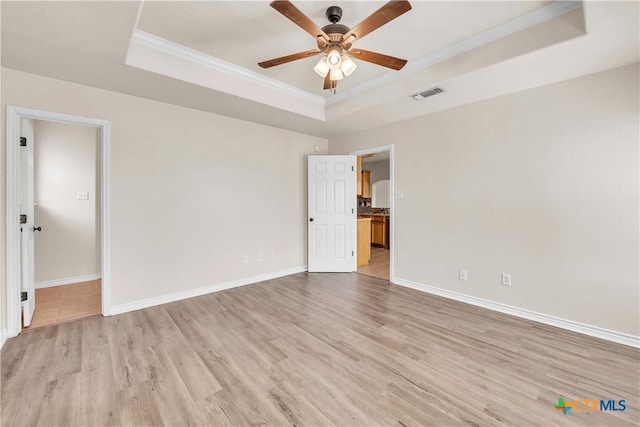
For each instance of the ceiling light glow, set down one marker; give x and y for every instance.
(336, 74)
(333, 58)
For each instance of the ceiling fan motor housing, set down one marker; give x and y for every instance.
(334, 14)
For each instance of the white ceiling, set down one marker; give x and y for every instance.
(244, 33)
(377, 157)
(475, 50)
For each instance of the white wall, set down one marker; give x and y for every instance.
(542, 184)
(379, 170)
(3, 285)
(381, 194)
(65, 163)
(191, 192)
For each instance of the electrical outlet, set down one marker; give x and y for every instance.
(82, 195)
(245, 259)
(260, 257)
(271, 255)
(462, 275)
(506, 279)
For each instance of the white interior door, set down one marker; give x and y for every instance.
(331, 213)
(28, 228)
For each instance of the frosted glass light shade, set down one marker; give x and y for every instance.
(347, 66)
(333, 58)
(336, 74)
(322, 68)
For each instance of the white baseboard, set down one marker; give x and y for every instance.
(164, 299)
(594, 331)
(68, 280)
(3, 337)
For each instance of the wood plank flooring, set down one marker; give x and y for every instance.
(312, 349)
(378, 264)
(58, 304)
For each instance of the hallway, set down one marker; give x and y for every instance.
(59, 304)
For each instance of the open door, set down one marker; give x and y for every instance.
(28, 227)
(331, 213)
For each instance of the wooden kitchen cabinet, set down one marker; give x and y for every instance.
(359, 176)
(364, 240)
(366, 184)
(363, 180)
(380, 230)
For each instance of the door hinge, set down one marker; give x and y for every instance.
(352, 169)
(353, 253)
(23, 219)
(23, 141)
(23, 296)
(352, 211)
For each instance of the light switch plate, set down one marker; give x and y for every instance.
(506, 279)
(82, 195)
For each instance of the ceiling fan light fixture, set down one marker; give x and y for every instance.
(347, 65)
(335, 40)
(336, 74)
(322, 67)
(333, 58)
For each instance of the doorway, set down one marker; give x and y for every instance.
(66, 217)
(375, 212)
(66, 275)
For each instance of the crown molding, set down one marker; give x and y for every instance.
(152, 41)
(538, 16)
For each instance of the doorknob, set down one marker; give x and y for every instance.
(37, 228)
(311, 219)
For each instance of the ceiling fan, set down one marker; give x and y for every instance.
(335, 41)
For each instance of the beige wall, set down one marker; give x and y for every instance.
(65, 163)
(3, 286)
(379, 170)
(191, 192)
(542, 184)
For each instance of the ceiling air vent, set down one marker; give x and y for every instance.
(427, 93)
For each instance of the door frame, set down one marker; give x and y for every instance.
(382, 149)
(14, 114)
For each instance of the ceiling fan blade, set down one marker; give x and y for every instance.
(294, 14)
(328, 83)
(377, 19)
(378, 58)
(284, 59)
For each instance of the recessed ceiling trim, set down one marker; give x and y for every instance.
(152, 41)
(538, 16)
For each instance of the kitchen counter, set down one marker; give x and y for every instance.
(364, 240)
(379, 228)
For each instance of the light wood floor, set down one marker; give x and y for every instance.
(60, 304)
(312, 349)
(378, 265)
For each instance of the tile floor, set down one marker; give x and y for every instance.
(60, 304)
(378, 265)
